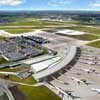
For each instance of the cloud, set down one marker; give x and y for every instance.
(95, 3)
(10, 2)
(59, 3)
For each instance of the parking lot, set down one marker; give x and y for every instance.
(18, 48)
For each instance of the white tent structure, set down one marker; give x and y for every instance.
(70, 32)
(44, 64)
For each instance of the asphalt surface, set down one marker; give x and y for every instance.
(67, 79)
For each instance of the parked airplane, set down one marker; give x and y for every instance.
(83, 81)
(88, 70)
(71, 95)
(96, 90)
(64, 92)
(77, 80)
(88, 58)
(88, 62)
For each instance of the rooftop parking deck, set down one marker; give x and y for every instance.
(18, 48)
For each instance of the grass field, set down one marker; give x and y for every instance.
(3, 61)
(34, 23)
(38, 93)
(2, 38)
(30, 80)
(95, 44)
(38, 23)
(28, 25)
(15, 31)
(19, 68)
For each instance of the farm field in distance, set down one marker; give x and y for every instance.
(28, 25)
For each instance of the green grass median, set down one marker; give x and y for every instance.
(38, 93)
(95, 44)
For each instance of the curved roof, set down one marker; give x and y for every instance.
(66, 60)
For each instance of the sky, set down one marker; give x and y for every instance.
(50, 5)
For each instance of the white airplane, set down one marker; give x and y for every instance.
(90, 62)
(60, 81)
(89, 58)
(96, 90)
(67, 93)
(77, 80)
(86, 55)
(88, 70)
(83, 81)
